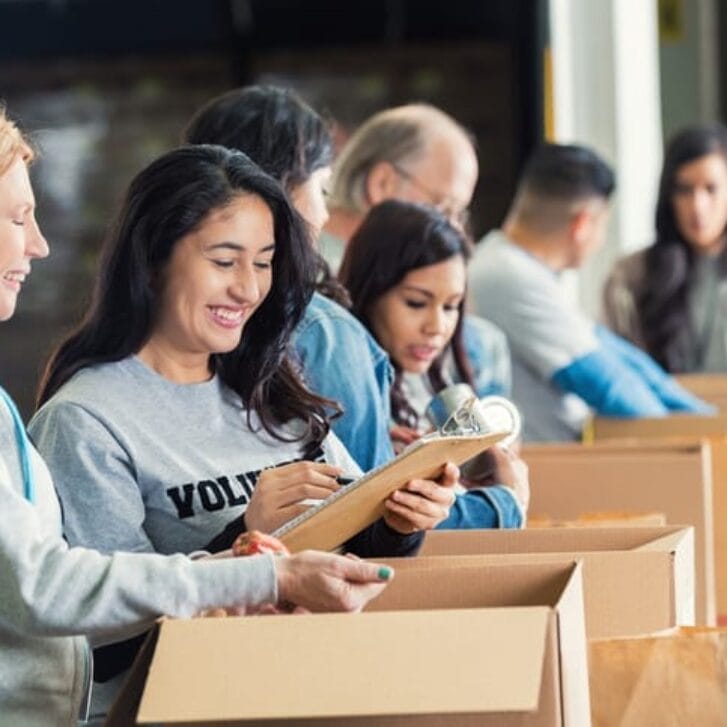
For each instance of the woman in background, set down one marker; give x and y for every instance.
(406, 271)
(340, 360)
(53, 596)
(671, 298)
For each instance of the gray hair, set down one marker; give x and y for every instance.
(395, 135)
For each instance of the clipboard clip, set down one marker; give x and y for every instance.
(473, 416)
(465, 420)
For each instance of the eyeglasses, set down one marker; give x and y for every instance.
(458, 217)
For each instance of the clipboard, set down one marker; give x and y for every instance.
(354, 507)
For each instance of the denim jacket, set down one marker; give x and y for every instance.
(343, 362)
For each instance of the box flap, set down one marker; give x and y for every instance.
(225, 665)
(682, 546)
(670, 541)
(458, 542)
(576, 706)
(470, 581)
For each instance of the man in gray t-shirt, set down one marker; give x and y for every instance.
(563, 364)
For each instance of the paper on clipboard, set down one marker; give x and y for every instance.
(352, 508)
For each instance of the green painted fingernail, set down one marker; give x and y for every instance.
(384, 573)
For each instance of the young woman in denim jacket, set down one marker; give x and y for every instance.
(406, 272)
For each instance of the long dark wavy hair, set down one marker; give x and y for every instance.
(395, 238)
(662, 304)
(166, 201)
(281, 133)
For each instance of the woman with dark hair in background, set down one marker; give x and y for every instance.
(671, 299)
(174, 407)
(51, 596)
(406, 269)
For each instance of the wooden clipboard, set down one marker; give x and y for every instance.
(356, 506)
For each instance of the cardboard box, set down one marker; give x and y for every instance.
(601, 519)
(636, 580)
(676, 479)
(710, 387)
(676, 425)
(650, 433)
(443, 645)
(677, 678)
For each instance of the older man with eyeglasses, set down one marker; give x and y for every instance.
(414, 153)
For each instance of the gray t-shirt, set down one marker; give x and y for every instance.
(545, 332)
(144, 464)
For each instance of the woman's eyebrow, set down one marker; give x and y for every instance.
(416, 289)
(237, 247)
(226, 246)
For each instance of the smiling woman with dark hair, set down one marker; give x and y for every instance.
(339, 359)
(174, 407)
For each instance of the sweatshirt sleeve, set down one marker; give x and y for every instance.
(47, 588)
(93, 473)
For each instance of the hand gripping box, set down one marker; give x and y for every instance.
(445, 644)
(635, 579)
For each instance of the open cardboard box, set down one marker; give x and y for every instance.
(710, 387)
(445, 644)
(635, 579)
(673, 478)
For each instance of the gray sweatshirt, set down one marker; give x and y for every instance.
(143, 464)
(50, 594)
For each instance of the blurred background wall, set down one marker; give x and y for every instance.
(105, 86)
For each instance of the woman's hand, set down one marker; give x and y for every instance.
(511, 471)
(317, 581)
(402, 436)
(279, 493)
(422, 504)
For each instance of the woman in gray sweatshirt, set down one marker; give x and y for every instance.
(51, 596)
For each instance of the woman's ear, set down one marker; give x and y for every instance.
(580, 225)
(382, 183)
